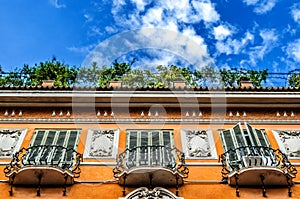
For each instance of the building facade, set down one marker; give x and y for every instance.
(128, 143)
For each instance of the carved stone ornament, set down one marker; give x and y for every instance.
(156, 193)
(101, 144)
(198, 144)
(10, 141)
(289, 142)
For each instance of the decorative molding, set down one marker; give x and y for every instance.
(156, 193)
(11, 141)
(198, 144)
(113, 164)
(101, 143)
(289, 142)
(107, 120)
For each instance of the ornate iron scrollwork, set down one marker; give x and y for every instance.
(166, 157)
(70, 161)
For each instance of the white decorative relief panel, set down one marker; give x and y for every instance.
(198, 144)
(289, 142)
(10, 141)
(101, 143)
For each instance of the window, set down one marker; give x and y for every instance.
(246, 147)
(289, 142)
(10, 141)
(52, 147)
(150, 148)
(101, 143)
(237, 137)
(198, 144)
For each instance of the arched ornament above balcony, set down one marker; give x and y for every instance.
(156, 193)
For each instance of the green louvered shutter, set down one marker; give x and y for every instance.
(49, 155)
(71, 144)
(150, 147)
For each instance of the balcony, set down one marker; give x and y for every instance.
(257, 166)
(44, 166)
(151, 166)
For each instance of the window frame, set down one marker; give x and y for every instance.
(51, 154)
(139, 151)
(238, 158)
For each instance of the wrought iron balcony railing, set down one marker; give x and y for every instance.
(148, 165)
(236, 162)
(151, 156)
(43, 157)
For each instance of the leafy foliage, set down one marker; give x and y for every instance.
(62, 74)
(101, 76)
(162, 76)
(232, 77)
(294, 80)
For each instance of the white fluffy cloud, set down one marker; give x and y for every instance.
(269, 41)
(178, 16)
(221, 32)
(234, 46)
(293, 50)
(295, 12)
(56, 4)
(261, 6)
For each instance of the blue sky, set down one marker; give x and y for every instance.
(253, 34)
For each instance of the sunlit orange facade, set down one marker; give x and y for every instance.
(166, 140)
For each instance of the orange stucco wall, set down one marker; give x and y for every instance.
(91, 185)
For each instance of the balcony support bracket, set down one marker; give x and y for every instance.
(264, 193)
(11, 185)
(177, 192)
(38, 190)
(237, 191)
(289, 182)
(124, 186)
(150, 180)
(65, 186)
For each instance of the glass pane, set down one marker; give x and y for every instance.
(61, 138)
(72, 139)
(58, 152)
(144, 148)
(155, 138)
(255, 143)
(261, 137)
(46, 150)
(38, 138)
(239, 136)
(50, 138)
(132, 139)
(69, 155)
(228, 139)
(155, 149)
(167, 150)
(33, 153)
(166, 138)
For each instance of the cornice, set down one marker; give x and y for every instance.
(142, 121)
